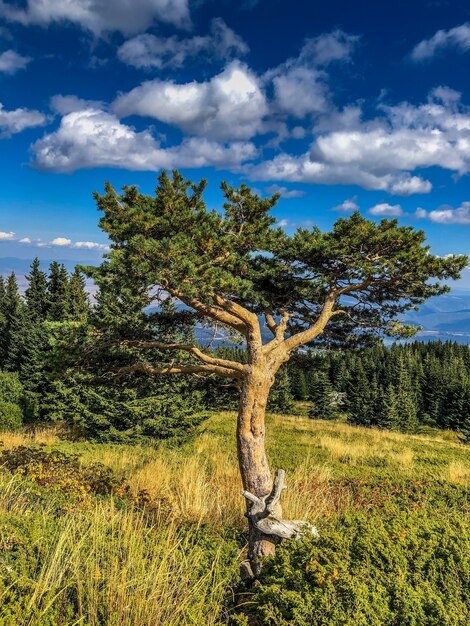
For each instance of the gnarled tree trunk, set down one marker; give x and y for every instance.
(266, 525)
(254, 466)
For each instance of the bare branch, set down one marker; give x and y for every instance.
(199, 354)
(275, 494)
(213, 312)
(176, 369)
(305, 336)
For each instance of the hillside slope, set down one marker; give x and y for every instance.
(392, 511)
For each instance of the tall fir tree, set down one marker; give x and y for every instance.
(36, 293)
(57, 288)
(322, 396)
(77, 304)
(14, 326)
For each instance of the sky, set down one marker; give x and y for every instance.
(339, 106)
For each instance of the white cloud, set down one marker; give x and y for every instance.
(6, 236)
(128, 17)
(11, 62)
(300, 91)
(461, 215)
(304, 169)
(15, 121)
(329, 47)
(285, 193)
(385, 209)
(384, 152)
(230, 105)
(90, 245)
(148, 51)
(420, 213)
(25, 240)
(300, 87)
(68, 104)
(348, 205)
(95, 138)
(61, 241)
(457, 38)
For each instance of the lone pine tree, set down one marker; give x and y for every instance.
(235, 269)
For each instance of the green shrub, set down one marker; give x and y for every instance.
(11, 401)
(400, 568)
(11, 416)
(11, 390)
(59, 471)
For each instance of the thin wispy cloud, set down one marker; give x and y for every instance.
(457, 39)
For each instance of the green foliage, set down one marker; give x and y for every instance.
(321, 393)
(59, 471)
(395, 568)
(12, 401)
(404, 388)
(11, 416)
(173, 241)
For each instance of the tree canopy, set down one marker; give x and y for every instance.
(235, 265)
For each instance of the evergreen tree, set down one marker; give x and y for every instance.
(406, 403)
(14, 326)
(57, 288)
(36, 293)
(390, 417)
(230, 267)
(322, 397)
(298, 383)
(280, 399)
(77, 306)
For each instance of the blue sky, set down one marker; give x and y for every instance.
(338, 105)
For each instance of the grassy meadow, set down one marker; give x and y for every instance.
(162, 546)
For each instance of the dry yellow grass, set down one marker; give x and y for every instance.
(201, 483)
(47, 436)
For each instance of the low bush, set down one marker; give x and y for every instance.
(11, 416)
(389, 568)
(59, 471)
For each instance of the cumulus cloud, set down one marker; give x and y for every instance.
(61, 241)
(420, 213)
(285, 192)
(6, 236)
(457, 38)
(147, 51)
(300, 91)
(382, 153)
(446, 215)
(95, 138)
(386, 210)
(90, 245)
(231, 105)
(15, 121)
(68, 104)
(11, 62)
(304, 169)
(347, 206)
(299, 84)
(25, 240)
(97, 16)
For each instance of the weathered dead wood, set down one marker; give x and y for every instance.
(261, 513)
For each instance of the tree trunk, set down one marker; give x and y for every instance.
(254, 468)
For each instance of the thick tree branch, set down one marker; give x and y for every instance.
(307, 335)
(212, 312)
(199, 354)
(176, 369)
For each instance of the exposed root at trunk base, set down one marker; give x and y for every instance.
(263, 519)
